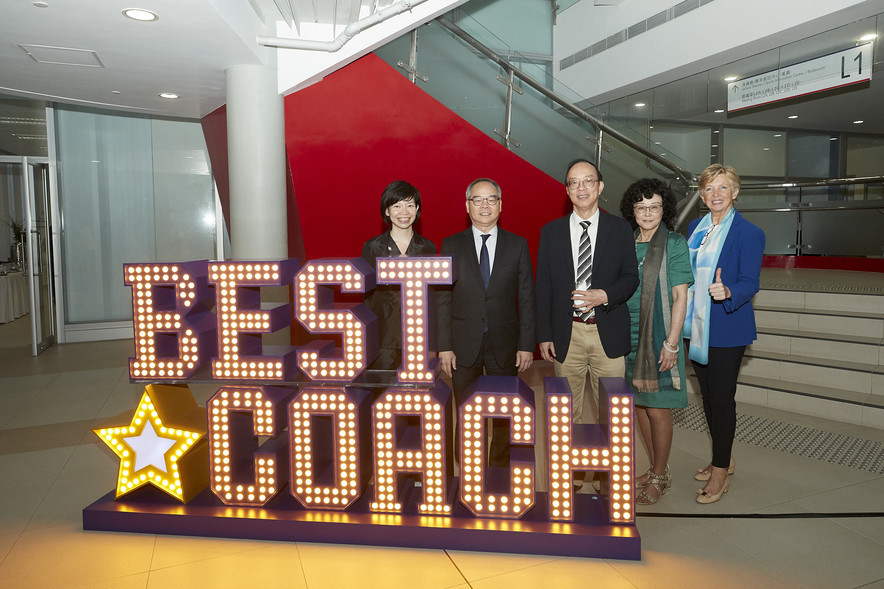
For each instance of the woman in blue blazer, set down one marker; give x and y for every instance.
(726, 252)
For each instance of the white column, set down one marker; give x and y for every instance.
(256, 162)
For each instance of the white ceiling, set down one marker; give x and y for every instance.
(188, 50)
(85, 52)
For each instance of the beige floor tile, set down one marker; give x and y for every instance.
(559, 573)
(863, 497)
(268, 565)
(137, 581)
(693, 556)
(75, 556)
(173, 551)
(803, 550)
(328, 566)
(476, 566)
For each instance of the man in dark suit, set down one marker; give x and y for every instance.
(585, 274)
(486, 319)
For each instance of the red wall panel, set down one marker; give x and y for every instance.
(366, 125)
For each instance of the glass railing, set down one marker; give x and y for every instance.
(509, 96)
(514, 99)
(837, 217)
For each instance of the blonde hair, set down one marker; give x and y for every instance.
(714, 171)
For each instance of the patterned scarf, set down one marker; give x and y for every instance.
(646, 376)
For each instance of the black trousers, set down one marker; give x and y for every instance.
(463, 377)
(718, 386)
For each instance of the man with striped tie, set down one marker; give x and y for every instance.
(586, 271)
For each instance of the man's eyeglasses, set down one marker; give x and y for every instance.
(484, 200)
(642, 209)
(573, 183)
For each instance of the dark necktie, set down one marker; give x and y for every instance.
(485, 261)
(584, 263)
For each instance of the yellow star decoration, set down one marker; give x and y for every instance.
(163, 445)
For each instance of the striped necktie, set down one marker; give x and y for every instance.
(584, 264)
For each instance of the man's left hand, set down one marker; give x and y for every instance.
(524, 360)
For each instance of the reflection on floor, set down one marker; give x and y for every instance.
(791, 519)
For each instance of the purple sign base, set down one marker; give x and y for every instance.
(149, 511)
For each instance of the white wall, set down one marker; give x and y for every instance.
(711, 35)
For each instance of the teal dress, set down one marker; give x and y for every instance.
(679, 272)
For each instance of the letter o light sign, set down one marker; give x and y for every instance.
(305, 444)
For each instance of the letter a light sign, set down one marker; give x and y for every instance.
(306, 444)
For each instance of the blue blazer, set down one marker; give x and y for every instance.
(732, 322)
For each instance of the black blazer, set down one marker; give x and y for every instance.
(384, 300)
(507, 307)
(614, 270)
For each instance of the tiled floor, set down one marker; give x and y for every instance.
(788, 520)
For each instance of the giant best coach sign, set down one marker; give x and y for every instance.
(305, 444)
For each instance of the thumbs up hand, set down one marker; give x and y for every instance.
(717, 290)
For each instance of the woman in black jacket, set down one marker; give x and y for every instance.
(400, 208)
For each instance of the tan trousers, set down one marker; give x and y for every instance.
(585, 353)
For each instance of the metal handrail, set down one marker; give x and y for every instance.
(815, 183)
(685, 175)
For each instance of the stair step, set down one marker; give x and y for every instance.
(809, 390)
(823, 303)
(827, 327)
(808, 374)
(870, 366)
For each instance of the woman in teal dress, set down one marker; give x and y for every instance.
(655, 367)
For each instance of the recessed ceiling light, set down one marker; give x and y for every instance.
(730, 79)
(716, 131)
(168, 95)
(115, 91)
(141, 15)
(857, 122)
(714, 145)
(766, 149)
(792, 117)
(41, 4)
(719, 110)
(778, 134)
(833, 139)
(868, 37)
(639, 104)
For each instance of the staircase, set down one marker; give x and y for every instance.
(820, 346)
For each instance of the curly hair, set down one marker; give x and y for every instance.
(647, 188)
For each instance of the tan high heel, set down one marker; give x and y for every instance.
(704, 497)
(704, 473)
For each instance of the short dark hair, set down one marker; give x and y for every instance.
(647, 188)
(397, 191)
(489, 181)
(574, 162)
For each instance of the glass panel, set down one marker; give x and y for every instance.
(40, 266)
(813, 155)
(130, 190)
(843, 233)
(22, 127)
(864, 156)
(547, 134)
(780, 230)
(756, 152)
(12, 215)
